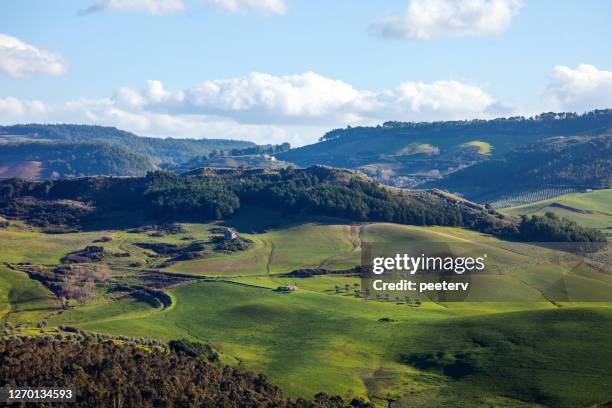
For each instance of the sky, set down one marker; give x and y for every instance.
(271, 71)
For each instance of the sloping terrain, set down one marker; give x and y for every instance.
(159, 150)
(576, 162)
(407, 154)
(52, 160)
(512, 353)
(41, 152)
(592, 209)
(215, 194)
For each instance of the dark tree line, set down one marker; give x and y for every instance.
(545, 123)
(551, 228)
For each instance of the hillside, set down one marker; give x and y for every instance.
(250, 161)
(505, 352)
(180, 373)
(406, 154)
(592, 209)
(52, 160)
(168, 150)
(575, 162)
(203, 195)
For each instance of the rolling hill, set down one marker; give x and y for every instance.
(502, 353)
(592, 209)
(41, 151)
(408, 154)
(168, 150)
(53, 160)
(568, 162)
(215, 194)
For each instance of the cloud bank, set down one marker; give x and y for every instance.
(21, 60)
(260, 107)
(299, 108)
(427, 19)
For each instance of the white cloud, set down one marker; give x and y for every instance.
(20, 60)
(427, 19)
(233, 6)
(581, 89)
(260, 107)
(261, 97)
(311, 98)
(153, 7)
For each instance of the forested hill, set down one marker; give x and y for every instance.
(168, 150)
(52, 160)
(576, 162)
(218, 194)
(407, 154)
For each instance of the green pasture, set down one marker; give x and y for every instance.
(22, 300)
(525, 351)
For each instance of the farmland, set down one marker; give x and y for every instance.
(323, 339)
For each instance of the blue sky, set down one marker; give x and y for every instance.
(274, 70)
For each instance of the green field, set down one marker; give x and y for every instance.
(483, 147)
(526, 350)
(592, 209)
(22, 300)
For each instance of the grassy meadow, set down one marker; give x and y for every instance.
(528, 350)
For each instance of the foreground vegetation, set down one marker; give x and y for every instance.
(105, 372)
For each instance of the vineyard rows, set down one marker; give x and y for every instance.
(527, 197)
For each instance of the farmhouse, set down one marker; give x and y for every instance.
(230, 234)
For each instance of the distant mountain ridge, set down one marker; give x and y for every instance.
(52, 160)
(408, 154)
(53, 151)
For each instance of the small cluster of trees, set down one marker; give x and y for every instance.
(68, 282)
(78, 282)
(245, 151)
(552, 228)
(367, 294)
